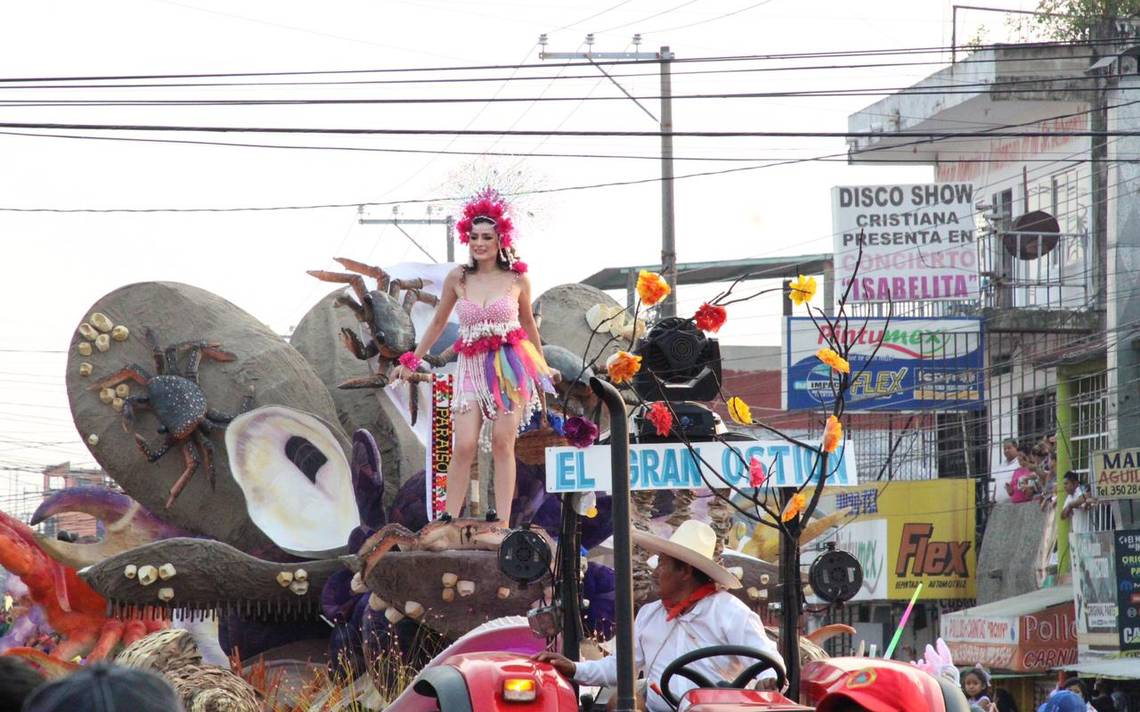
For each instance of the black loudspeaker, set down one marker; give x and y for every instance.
(679, 363)
(693, 420)
(835, 575)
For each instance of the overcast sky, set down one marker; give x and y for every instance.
(56, 265)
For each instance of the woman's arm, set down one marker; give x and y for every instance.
(447, 301)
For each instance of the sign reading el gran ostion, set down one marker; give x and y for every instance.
(917, 241)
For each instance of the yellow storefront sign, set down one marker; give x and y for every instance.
(929, 533)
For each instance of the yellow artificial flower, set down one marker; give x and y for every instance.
(794, 506)
(652, 288)
(622, 367)
(801, 289)
(833, 359)
(739, 411)
(832, 434)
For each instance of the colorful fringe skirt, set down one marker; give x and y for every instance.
(501, 373)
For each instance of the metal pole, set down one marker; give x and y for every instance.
(623, 576)
(668, 235)
(790, 598)
(450, 239)
(568, 562)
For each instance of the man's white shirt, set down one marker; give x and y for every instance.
(719, 619)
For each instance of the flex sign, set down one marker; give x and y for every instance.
(898, 364)
(661, 466)
(917, 242)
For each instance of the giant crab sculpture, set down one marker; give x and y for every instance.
(388, 320)
(73, 609)
(179, 404)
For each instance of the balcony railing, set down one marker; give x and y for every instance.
(1042, 271)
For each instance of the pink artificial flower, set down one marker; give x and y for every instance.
(756, 474)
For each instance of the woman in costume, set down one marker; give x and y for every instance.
(501, 368)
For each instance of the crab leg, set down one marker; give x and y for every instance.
(381, 277)
(353, 343)
(133, 372)
(108, 639)
(153, 455)
(353, 280)
(361, 313)
(129, 404)
(190, 455)
(207, 457)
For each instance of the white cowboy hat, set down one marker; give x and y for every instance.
(692, 543)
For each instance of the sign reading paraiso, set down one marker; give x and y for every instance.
(917, 242)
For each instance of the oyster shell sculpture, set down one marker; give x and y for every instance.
(296, 480)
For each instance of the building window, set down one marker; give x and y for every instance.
(963, 444)
(1088, 423)
(1036, 416)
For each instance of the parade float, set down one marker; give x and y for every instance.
(256, 550)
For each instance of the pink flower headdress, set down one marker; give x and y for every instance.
(487, 203)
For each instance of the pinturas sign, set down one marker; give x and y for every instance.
(917, 242)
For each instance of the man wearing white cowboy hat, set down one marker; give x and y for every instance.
(694, 612)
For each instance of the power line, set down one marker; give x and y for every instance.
(1005, 87)
(486, 67)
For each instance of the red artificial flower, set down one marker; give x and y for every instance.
(520, 267)
(756, 474)
(661, 417)
(710, 317)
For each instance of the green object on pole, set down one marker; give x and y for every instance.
(1063, 459)
(902, 624)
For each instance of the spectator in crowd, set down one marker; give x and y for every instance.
(1119, 698)
(105, 688)
(1078, 687)
(1063, 701)
(1076, 505)
(1023, 486)
(1003, 473)
(17, 680)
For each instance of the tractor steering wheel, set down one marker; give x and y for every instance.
(764, 661)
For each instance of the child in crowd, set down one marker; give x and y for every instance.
(1076, 504)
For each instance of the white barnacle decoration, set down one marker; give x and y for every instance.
(103, 342)
(88, 332)
(100, 321)
(85, 369)
(166, 571)
(130, 571)
(296, 480)
(120, 333)
(147, 574)
(84, 348)
(166, 594)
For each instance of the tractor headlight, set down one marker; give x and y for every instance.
(519, 689)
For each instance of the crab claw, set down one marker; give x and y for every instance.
(51, 668)
(128, 525)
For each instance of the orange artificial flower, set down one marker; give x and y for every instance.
(833, 359)
(832, 434)
(739, 411)
(652, 288)
(622, 367)
(794, 506)
(801, 289)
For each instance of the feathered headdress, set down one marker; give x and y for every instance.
(487, 203)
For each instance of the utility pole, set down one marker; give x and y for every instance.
(668, 233)
(397, 221)
(668, 307)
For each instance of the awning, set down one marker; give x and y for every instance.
(1025, 603)
(1118, 669)
(1033, 632)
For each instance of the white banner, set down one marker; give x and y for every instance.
(918, 242)
(674, 466)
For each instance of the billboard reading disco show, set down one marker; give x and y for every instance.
(917, 240)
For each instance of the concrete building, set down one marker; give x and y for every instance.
(1056, 263)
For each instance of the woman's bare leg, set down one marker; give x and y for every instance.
(503, 435)
(464, 445)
